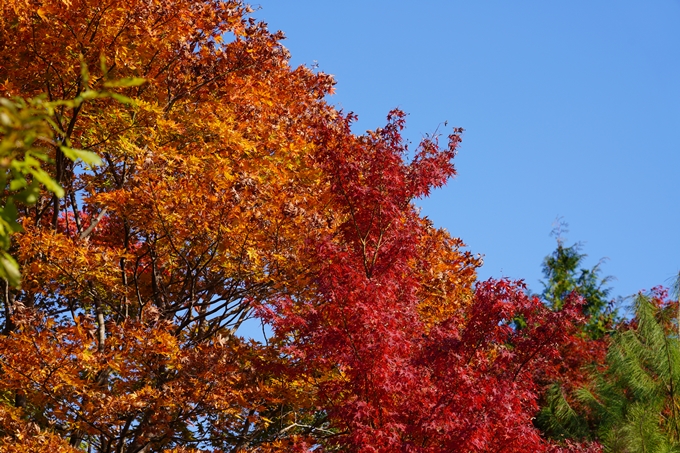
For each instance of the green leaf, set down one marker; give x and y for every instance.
(17, 184)
(38, 155)
(88, 94)
(10, 214)
(102, 64)
(8, 104)
(127, 82)
(122, 99)
(29, 196)
(88, 157)
(84, 72)
(9, 269)
(49, 183)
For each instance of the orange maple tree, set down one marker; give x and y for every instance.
(230, 189)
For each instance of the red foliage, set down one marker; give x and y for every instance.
(229, 185)
(387, 380)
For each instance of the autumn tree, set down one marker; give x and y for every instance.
(121, 337)
(394, 373)
(229, 189)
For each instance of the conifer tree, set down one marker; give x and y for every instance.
(564, 273)
(633, 403)
(565, 278)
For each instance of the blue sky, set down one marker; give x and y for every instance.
(570, 109)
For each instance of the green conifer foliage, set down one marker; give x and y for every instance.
(564, 273)
(633, 403)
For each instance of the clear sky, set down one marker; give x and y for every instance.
(571, 108)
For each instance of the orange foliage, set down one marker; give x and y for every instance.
(215, 187)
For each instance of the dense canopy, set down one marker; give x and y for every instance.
(229, 188)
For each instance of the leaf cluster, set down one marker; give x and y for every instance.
(27, 131)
